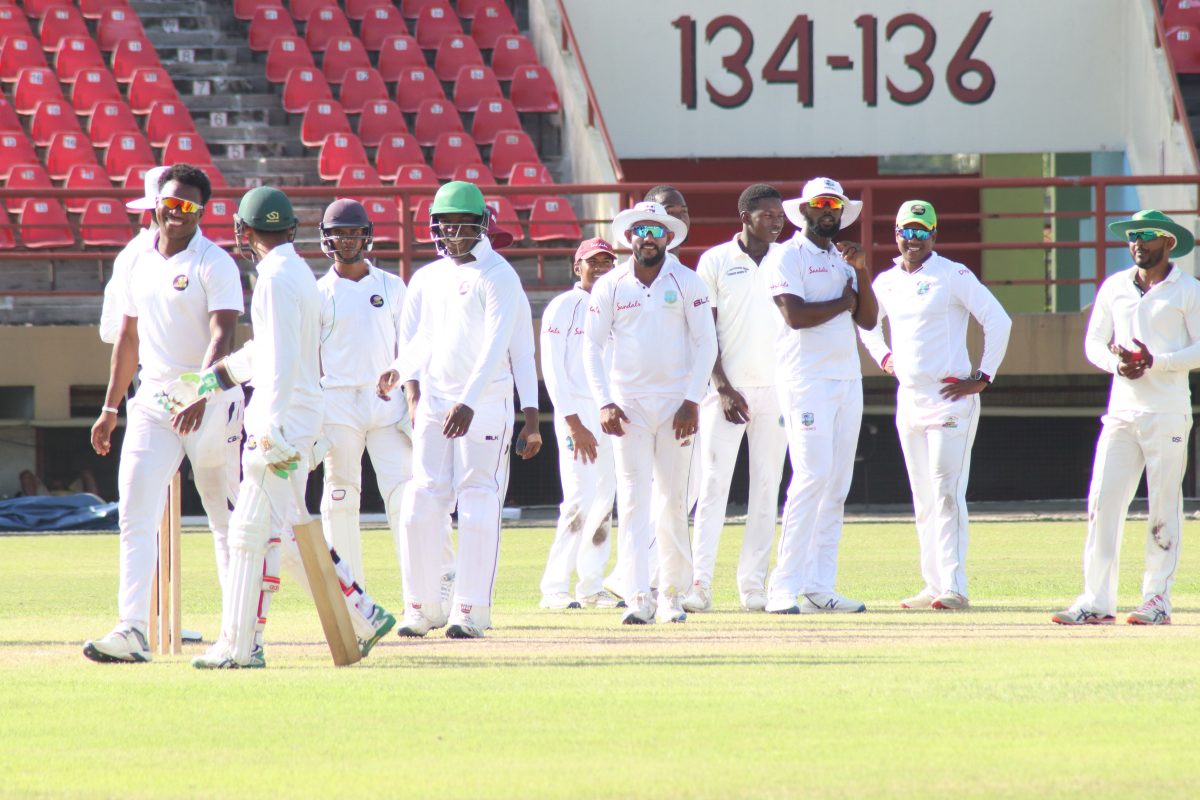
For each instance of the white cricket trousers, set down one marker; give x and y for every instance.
(472, 470)
(582, 540)
(652, 479)
(936, 436)
(356, 419)
(720, 440)
(822, 418)
(150, 455)
(1130, 442)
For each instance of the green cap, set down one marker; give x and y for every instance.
(917, 211)
(265, 208)
(459, 197)
(1154, 220)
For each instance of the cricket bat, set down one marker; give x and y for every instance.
(327, 593)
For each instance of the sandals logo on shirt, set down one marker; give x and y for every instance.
(180, 283)
(377, 301)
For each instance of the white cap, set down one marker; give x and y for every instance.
(647, 211)
(821, 187)
(150, 188)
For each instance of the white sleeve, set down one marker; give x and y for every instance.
(277, 366)
(414, 349)
(556, 330)
(874, 339)
(1187, 358)
(596, 332)
(501, 294)
(996, 323)
(222, 281)
(702, 330)
(1099, 334)
(113, 310)
(397, 309)
(784, 276)
(522, 354)
(707, 270)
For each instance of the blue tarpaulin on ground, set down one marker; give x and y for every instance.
(72, 512)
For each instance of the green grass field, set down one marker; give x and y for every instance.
(994, 702)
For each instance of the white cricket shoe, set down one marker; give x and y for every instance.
(642, 612)
(923, 599)
(125, 645)
(559, 600)
(601, 599)
(755, 600)
(781, 604)
(830, 603)
(468, 622)
(950, 601)
(699, 598)
(670, 607)
(1152, 612)
(416, 623)
(447, 593)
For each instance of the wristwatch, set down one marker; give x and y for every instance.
(980, 375)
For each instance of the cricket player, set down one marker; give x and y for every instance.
(361, 307)
(111, 312)
(458, 376)
(928, 301)
(182, 300)
(1145, 330)
(823, 290)
(582, 541)
(283, 423)
(663, 346)
(743, 402)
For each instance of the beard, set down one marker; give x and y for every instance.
(827, 230)
(649, 262)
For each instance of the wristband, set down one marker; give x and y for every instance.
(980, 375)
(109, 410)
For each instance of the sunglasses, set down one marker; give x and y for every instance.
(176, 204)
(651, 231)
(909, 234)
(825, 201)
(1144, 236)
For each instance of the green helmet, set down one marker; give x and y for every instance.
(265, 208)
(458, 197)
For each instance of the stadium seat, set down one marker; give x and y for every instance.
(18, 53)
(377, 120)
(8, 236)
(380, 24)
(94, 86)
(411, 9)
(434, 24)
(269, 24)
(303, 9)
(467, 8)
(324, 25)
(452, 151)
(511, 148)
(217, 222)
(35, 85)
(288, 53)
(357, 175)
(492, 117)
(420, 217)
(85, 176)
(397, 54)
(340, 150)
(135, 176)
(358, 9)
(165, 118)
(454, 53)
(13, 23)
(245, 9)
(37, 9)
(126, 151)
(475, 85)
(15, 150)
(59, 23)
(1181, 12)
(1184, 43)
(491, 21)
(342, 54)
(533, 90)
(506, 216)
(76, 53)
(397, 150)
(188, 148)
(384, 220)
(511, 53)
(434, 118)
(109, 119)
(528, 174)
(94, 9)
(116, 24)
(416, 85)
(151, 85)
(51, 117)
(65, 151)
(303, 86)
(477, 174)
(321, 118)
(415, 175)
(360, 87)
(9, 121)
(104, 222)
(130, 55)
(26, 176)
(44, 224)
(552, 218)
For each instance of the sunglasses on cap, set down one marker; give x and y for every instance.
(176, 204)
(1145, 236)
(652, 231)
(909, 234)
(825, 201)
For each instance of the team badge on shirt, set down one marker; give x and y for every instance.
(464, 287)
(377, 301)
(807, 419)
(251, 443)
(922, 287)
(180, 283)
(671, 296)
(951, 422)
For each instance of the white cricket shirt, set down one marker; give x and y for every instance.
(748, 324)
(173, 298)
(562, 340)
(360, 326)
(113, 309)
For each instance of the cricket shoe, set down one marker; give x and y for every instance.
(219, 657)
(924, 599)
(559, 600)
(601, 599)
(610, 587)
(670, 607)
(950, 601)
(125, 645)
(447, 594)
(1081, 616)
(415, 622)
(830, 603)
(782, 604)
(382, 621)
(755, 600)
(468, 622)
(642, 612)
(1152, 612)
(699, 598)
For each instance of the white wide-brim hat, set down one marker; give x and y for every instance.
(648, 212)
(819, 187)
(150, 187)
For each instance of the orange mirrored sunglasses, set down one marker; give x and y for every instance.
(183, 206)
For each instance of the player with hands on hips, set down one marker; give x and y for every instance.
(1145, 331)
(928, 301)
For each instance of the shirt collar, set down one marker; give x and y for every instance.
(933, 256)
(805, 243)
(277, 253)
(192, 244)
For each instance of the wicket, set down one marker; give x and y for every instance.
(166, 631)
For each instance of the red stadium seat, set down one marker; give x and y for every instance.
(303, 9)
(303, 86)
(244, 9)
(385, 223)
(9, 121)
(377, 120)
(38, 8)
(59, 23)
(151, 85)
(477, 174)
(397, 54)
(15, 150)
(109, 119)
(94, 86)
(475, 85)
(135, 176)
(506, 216)
(434, 24)
(415, 175)
(342, 54)
(26, 176)
(416, 85)
(397, 150)
(117, 24)
(491, 21)
(360, 87)
(492, 117)
(85, 176)
(321, 118)
(380, 24)
(217, 221)
(551, 218)
(420, 216)
(186, 148)
(104, 222)
(1181, 12)
(357, 175)
(358, 9)
(51, 117)
(131, 55)
(269, 24)
(1184, 43)
(510, 53)
(512, 148)
(35, 85)
(94, 9)
(13, 22)
(452, 151)
(325, 25)
(528, 174)
(411, 9)
(339, 151)
(533, 90)
(76, 53)
(65, 151)
(467, 8)
(18, 53)
(434, 118)
(165, 118)
(125, 151)
(454, 53)
(288, 53)
(44, 224)
(8, 236)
